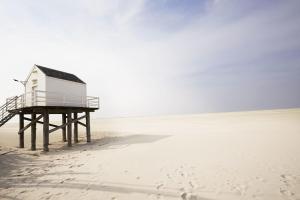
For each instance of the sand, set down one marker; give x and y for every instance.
(242, 155)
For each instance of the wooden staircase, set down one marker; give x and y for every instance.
(5, 115)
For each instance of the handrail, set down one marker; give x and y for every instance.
(10, 103)
(47, 98)
(5, 105)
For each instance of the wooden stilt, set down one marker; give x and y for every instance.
(21, 134)
(46, 131)
(88, 127)
(33, 133)
(64, 129)
(69, 129)
(75, 128)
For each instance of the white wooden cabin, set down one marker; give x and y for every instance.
(49, 87)
(49, 91)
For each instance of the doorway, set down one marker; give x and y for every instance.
(33, 96)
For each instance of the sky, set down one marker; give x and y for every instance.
(159, 57)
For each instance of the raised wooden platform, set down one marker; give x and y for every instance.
(42, 112)
(51, 109)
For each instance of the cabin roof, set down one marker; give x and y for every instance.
(59, 74)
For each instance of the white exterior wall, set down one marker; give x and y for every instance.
(61, 92)
(53, 91)
(29, 98)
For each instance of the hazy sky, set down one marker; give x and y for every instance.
(145, 57)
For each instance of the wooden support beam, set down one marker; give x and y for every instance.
(21, 130)
(33, 133)
(52, 109)
(46, 131)
(75, 128)
(64, 130)
(28, 125)
(88, 128)
(82, 124)
(66, 124)
(39, 122)
(69, 129)
(39, 112)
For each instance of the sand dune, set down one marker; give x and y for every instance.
(242, 155)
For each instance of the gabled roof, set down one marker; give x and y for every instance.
(59, 74)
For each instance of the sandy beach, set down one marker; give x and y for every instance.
(219, 156)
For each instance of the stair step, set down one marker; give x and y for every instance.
(6, 119)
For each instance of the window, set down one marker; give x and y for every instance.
(34, 81)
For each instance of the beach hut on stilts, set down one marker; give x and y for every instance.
(51, 92)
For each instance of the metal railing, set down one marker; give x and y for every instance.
(11, 103)
(44, 98)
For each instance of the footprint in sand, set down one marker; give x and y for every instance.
(240, 189)
(189, 196)
(49, 197)
(169, 176)
(260, 179)
(57, 194)
(193, 184)
(286, 192)
(68, 179)
(287, 179)
(288, 182)
(159, 186)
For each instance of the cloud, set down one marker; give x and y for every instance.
(153, 57)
